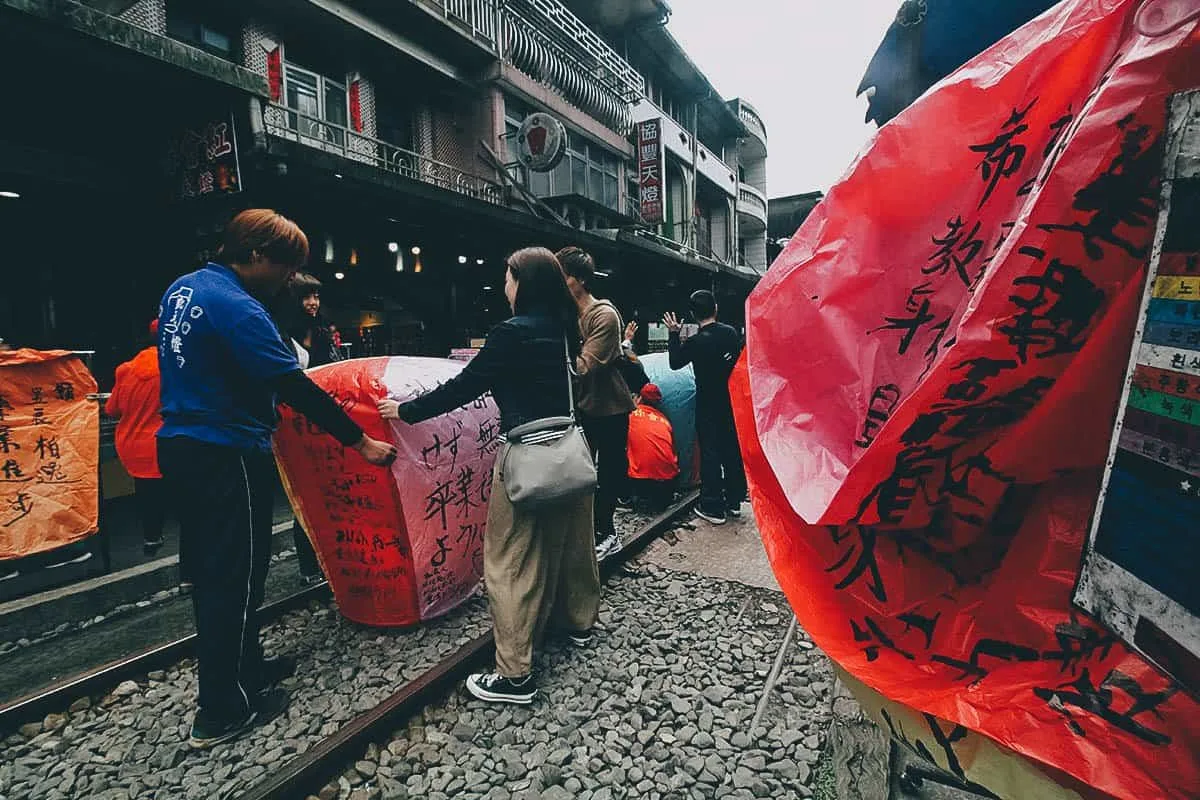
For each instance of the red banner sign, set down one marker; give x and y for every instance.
(651, 184)
(929, 389)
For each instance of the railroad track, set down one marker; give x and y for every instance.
(302, 774)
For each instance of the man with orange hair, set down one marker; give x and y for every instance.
(224, 366)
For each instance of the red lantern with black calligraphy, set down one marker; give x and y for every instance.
(928, 392)
(400, 545)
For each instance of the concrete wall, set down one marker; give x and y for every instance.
(719, 229)
(756, 174)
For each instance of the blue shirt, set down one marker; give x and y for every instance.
(217, 349)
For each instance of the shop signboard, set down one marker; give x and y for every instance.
(541, 142)
(651, 186)
(1137, 576)
(202, 159)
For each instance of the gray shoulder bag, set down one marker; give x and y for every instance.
(548, 460)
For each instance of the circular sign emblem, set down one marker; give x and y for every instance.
(541, 142)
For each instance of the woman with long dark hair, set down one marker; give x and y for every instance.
(308, 327)
(539, 563)
(312, 338)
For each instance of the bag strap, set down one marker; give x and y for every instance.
(570, 373)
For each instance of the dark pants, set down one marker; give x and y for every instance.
(151, 498)
(722, 477)
(655, 495)
(224, 500)
(608, 437)
(306, 559)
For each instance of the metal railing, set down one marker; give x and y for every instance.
(580, 44)
(292, 125)
(550, 44)
(751, 201)
(479, 19)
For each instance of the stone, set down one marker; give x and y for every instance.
(171, 757)
(30, 730)
(365, 768)
(126, 689)
(80, 704)
(717, 694)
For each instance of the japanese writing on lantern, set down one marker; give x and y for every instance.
(1056, 315)
(1120, 198)
(457, 495)
(1119, 700)
(1003, 156)
(957, 250)
(32, 454)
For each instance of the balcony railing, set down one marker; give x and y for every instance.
(753, 122)
(292, 125)
(479, 19)
(751, 201)
(543, 39)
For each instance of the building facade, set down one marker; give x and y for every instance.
(389, 131)
(787, 215)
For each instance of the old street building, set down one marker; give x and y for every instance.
(389, 130)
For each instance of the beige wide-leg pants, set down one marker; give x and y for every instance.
(540, 569)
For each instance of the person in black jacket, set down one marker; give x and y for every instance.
(539, 564)
(712, 352)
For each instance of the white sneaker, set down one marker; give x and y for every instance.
(495, 688)
(712, 519)
(607, 546)
(76, 560)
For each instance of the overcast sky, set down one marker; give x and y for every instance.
(798, 62)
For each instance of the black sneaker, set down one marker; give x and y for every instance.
(625, 503)
(709, 517)
(734, 511)
(276, 669)
(207, 733)
(151, 547)
(316, 579)
(581, 638)
(495, 688)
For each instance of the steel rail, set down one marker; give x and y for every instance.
(302, 775)
(57, 696)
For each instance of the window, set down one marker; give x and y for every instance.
(190, 22)
(586, 169)
(316, 100)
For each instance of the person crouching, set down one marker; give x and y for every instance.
(653, 463)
